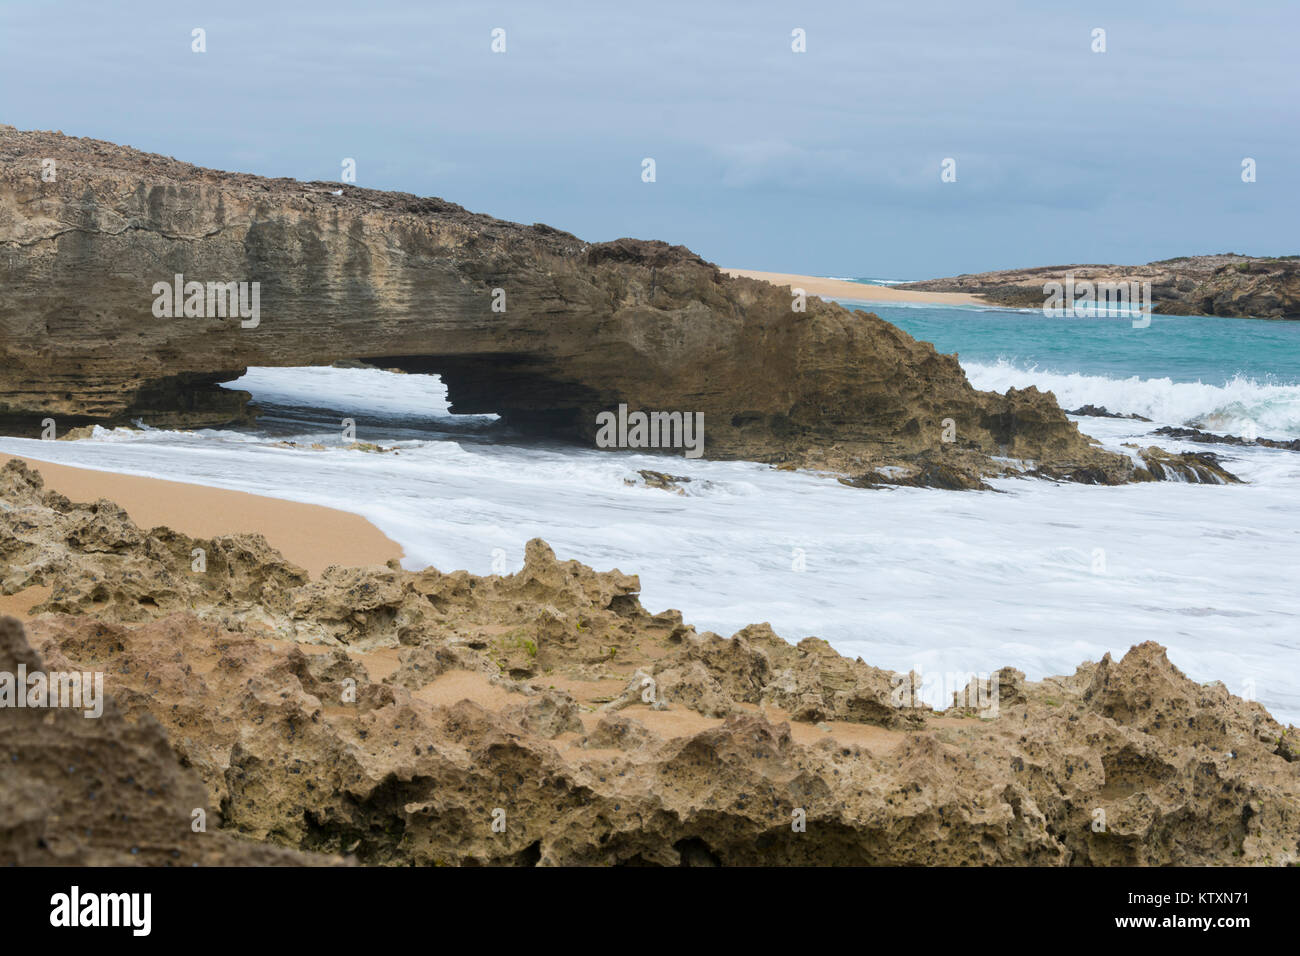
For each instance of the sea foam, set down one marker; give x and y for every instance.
(1227, 408)
(1040, 577)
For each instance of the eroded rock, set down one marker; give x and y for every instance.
(106, 790)
(405, 744)
(400, 282)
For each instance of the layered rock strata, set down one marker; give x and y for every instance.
(525, 321)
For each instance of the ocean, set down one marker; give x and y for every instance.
(1037, 575)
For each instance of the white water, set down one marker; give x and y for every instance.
(904, 578)
(1224, 409)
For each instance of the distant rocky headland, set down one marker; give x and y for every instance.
(1225, 284)
(100, 244)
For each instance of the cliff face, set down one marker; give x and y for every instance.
(1227, 285)
(348, 273)
(397, 716)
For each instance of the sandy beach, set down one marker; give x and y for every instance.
(559, 667)
(311, 536)
(841, 289)
(315, 537)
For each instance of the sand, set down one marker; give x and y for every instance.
(315, 537)
(311, 536)
(840, 289)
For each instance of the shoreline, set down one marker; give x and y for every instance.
(843, 289)
(310, 536)
(260, 687)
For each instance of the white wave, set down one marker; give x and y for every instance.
(376, 391)
(1228, 408)
(865, 281)
(865, 299)
(1041, 577)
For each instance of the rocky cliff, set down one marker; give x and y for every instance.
(1227, 284)
(546, 717)
(525, 321)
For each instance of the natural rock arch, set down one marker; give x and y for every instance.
(411, 283)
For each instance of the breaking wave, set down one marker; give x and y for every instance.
(1275, 409)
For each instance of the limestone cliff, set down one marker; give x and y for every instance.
(349, 273)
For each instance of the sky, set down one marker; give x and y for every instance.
(826, 161)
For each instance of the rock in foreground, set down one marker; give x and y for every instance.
(546, 717)
(104, 791)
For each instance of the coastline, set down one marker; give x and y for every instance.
(842, 289)
(651, 737)
(310, 536)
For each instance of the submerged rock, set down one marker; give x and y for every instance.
(1196, 435)
(664, 481)
(1095, 411)
(1195, 467)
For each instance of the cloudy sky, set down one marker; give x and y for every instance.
(825, 162)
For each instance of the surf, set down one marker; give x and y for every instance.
(1229, 408)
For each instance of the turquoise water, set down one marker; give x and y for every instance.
(1222, 375)
(1214, 351)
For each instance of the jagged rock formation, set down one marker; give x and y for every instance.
(408, 283)
(396, 716)
(1095, 411)
(1197, 468)
(104, 791)
(1226, 284)
(1208, 438)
